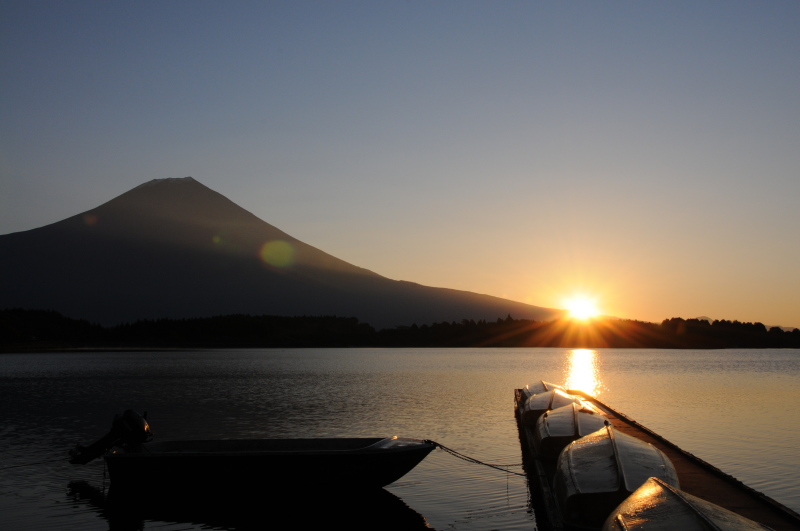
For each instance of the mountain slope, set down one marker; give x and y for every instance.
(175, 248)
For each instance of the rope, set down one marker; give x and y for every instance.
(468, 459)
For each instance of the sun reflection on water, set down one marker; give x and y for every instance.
(582, 372)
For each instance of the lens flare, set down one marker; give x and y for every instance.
(277, 253)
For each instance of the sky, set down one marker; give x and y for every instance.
(643, 154)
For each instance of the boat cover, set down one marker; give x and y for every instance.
(558, 427)
(658, 506)
(539, 403)
(597, 472)
(539, 387)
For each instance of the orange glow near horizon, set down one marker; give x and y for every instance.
(582, 372)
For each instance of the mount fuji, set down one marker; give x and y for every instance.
(173, 248)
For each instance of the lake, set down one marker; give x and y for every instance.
(736, 409)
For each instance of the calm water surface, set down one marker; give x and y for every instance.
(737, 409)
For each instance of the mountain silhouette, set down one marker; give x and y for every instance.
(173, 248)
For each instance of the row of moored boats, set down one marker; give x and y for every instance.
(605, 479)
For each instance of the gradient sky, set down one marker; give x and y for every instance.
(644, 153)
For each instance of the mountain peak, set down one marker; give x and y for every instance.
(174, 248)
(167, 180)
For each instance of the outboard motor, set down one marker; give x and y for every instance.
(128, 429)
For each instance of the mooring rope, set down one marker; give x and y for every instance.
(469, 459)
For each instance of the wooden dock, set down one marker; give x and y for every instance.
(696, 476)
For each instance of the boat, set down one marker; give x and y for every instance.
(658, 506)
(697, 477)
(597, 472)
(558, 427)
(539, 387)
(536, 405)
(339, 463)
(336, 462)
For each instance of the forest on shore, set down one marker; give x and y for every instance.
(42, 330)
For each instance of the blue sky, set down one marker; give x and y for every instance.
(645, 154)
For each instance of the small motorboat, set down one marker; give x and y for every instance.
(339, 463)
(539, 387)
(538, 404)
(558, 427)
(658, 506)
(597, 472)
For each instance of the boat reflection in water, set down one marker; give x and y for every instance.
(319, 506)
(581, 371)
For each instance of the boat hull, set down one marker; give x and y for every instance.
(538, 404)
(539, 387)
(597, 472)
(365, 463)
(656, 506)
(556, 428)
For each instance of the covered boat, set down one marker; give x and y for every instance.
(341, 463)
(556, 428)
(538, 404)
(539, 387)
(597, 472)
(658, 506)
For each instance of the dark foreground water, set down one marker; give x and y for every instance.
(737, 409)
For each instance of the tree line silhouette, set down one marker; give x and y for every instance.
(30, 330)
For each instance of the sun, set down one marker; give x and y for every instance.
(581, 307)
